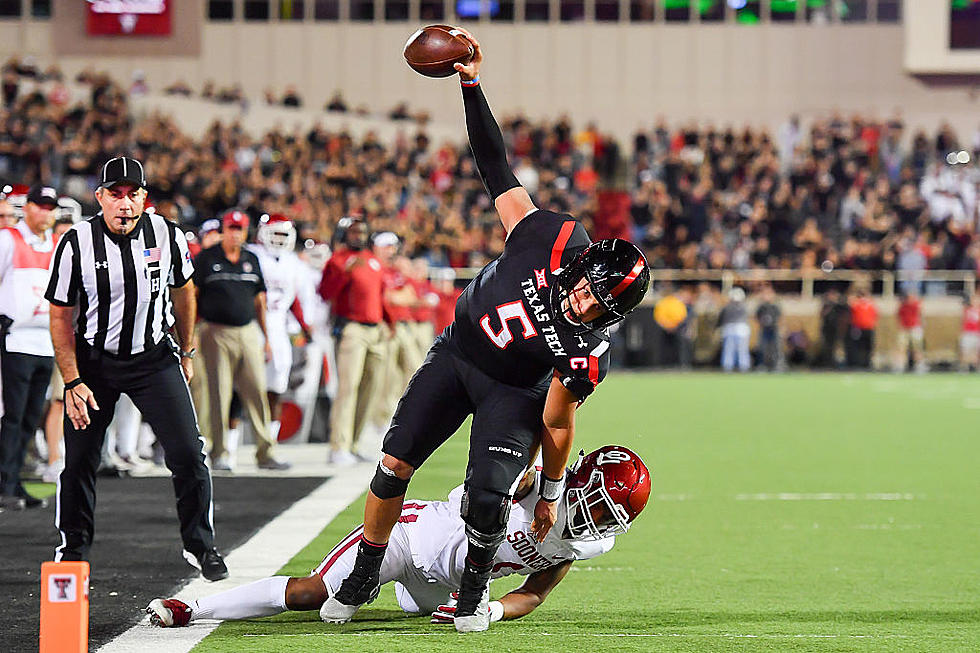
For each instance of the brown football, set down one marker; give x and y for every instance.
(434, 49)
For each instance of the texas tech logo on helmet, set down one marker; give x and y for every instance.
(606, 490)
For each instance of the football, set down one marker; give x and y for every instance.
(432, 50)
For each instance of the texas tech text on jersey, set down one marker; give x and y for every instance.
(505, 323)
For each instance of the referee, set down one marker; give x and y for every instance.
(119, 282)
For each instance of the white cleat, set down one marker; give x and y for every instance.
(475, 623)
(334, 612)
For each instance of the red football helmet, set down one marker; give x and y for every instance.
(605, 492)
(277, 232)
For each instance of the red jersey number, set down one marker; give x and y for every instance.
(506, 312)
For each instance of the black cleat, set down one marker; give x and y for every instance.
(211, 564)
(33, 502)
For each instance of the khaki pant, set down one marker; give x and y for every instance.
(401, 361)
(199, 388)
(234, 358)
(424, 334)
(361, 353)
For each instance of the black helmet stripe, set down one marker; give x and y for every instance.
(629, 278)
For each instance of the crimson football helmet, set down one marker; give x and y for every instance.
(605, 491)
(617, 273)
(277, 233)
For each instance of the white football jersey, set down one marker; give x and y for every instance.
(283, 273)
(438, 539)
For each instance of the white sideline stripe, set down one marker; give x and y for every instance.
(452, 633)
(261, 556)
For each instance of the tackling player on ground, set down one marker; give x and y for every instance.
(605, 492)
(527, 346)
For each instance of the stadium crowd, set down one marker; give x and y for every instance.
(855, 193)
(848, 193)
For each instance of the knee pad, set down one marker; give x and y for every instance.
(386, 485)
(485, 514)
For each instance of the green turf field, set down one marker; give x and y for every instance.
(791, 513)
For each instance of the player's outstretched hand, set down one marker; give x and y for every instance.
(77, 402)
(545, 516)
(472, 69)
(445, 613)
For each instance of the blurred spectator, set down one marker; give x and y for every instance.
(400, 112)
(210, 233)
(970, 334)
(232, 304)
(179, 87)
(674, 314)
(861, 335)
(139, 86)
(834, 323)
(402, 356)
(353, 285)
(336, 104)
(735, 331)
(797, 347)
(26, 352)
(768, 315)
(284, 275)
(208, 236)
(291, 97)
(8, 214)
(853, 191)
(424, 310)
(444, 281)
(910, 341)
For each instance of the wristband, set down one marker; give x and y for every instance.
(496, 611)
(188, 354)
(74, 384)
(470, 82)
(550, 488)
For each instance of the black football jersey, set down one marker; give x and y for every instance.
(504, 323)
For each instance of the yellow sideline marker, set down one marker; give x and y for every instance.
(64, 607)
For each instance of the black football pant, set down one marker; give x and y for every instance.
(443, 392)
(155, 383)
(25, 382)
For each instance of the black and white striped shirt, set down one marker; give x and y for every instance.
(120, 284)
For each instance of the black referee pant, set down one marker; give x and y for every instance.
(25, 382)
(156, 384)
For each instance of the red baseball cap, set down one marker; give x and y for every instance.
(235, 218)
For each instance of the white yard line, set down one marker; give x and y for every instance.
(829, 496)
(263, 555)
(805, 496)
(451, 633)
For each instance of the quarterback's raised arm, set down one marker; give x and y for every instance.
(509, 197)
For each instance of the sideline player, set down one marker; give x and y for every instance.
(606, 490)
(283, 272)
(528, 344)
